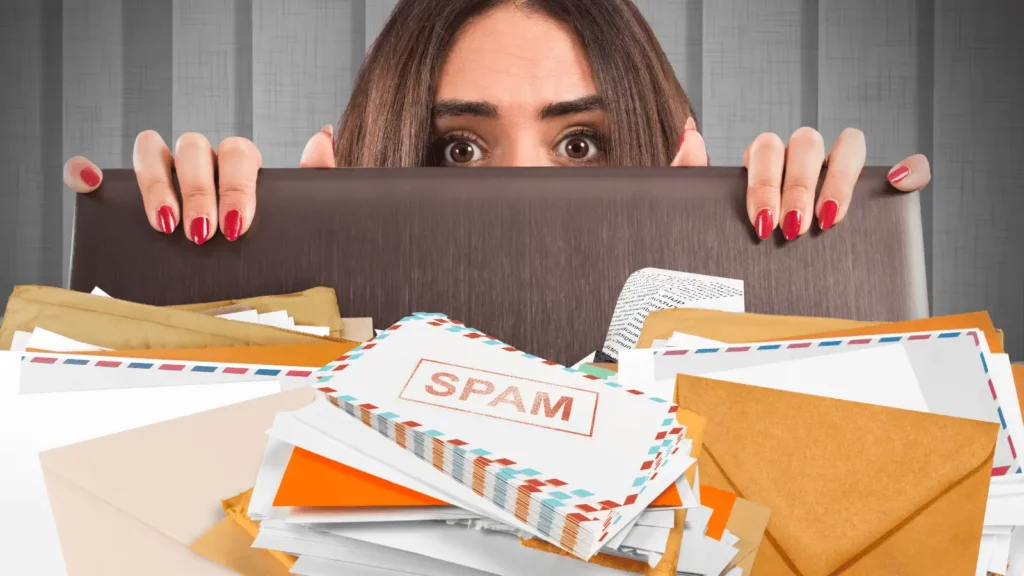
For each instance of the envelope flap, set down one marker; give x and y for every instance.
(173, 475)
(828, 469)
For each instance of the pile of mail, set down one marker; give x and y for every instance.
(272, 436)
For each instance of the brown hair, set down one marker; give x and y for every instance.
(388, 119)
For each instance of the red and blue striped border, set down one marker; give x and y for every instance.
(164, 366)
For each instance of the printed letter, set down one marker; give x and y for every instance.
(516, 398)
(448, 387)
(565, 403)
(485, 388)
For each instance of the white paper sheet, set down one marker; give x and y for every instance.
(19, 342)
(1000, 553)
(652, 289)
(97, 292)
(313, 566)
(250, 316)
(275, 460)
(278, 318)
(42, 339)
(691, 554)
(647, 538)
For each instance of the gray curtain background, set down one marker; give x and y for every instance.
(940, 77)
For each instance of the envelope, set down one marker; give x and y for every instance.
(311, 355)
(128, 325)
(314, 307)
(132, 503)
(229, 545)
(829, 471)
(737, 328)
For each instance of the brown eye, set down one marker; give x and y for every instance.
(461, 152)
(578, 147)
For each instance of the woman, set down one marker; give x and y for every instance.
(507, 83)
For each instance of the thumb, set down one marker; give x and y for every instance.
(81, 175)
(692, 151)
(319, 151)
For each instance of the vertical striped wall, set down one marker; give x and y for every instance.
(941, 77)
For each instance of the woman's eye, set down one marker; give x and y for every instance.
(578, 147)
(462, 152)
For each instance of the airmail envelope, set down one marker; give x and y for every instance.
(292, 365)
(938, 372)
(492, 417)
(132, 503)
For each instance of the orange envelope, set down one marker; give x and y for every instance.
(853, 488)
(312, 481)
(739, 327)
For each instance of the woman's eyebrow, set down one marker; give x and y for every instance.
(464, 108)
(569, 107)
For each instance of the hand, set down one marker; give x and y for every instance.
(237, 161)
(783, 179)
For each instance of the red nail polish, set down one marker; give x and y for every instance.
(899, 174)
(199, 230)
(232, 225)
(165, 219)
(791, 224)
(827, 215)
(763, 223)
(90, 177)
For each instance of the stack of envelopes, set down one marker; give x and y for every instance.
(724, 443)
(875, 445)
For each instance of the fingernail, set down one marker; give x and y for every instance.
(165, 219)
(827, 214)
(690, 124)
(763, 223)
(791, 224)
(232, 225)
(90, 177)
(199, 230)
(899, 174)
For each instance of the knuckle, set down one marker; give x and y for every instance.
(234, 145)
(192, 192)
(762, 191)
(191, 141)
(766, 142)
(807, 135)
(235, 191)
(798, 191)
(156, 187)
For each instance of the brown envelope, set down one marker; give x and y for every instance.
(127, 325)
(853, 488)
(132, 503)
(313, 307)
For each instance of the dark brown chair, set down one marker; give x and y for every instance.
(535, 257)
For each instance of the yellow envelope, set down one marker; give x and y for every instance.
(118, 324)
(229, 545)
(133, 503)
(854, 488)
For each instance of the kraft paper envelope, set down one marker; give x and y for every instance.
(128, 325)
(314, 307)
(310, 355)
(132, 503)
(853, 488)
(737, 328)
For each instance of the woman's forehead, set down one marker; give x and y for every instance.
(517, 57)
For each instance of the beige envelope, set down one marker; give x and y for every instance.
(132, 503)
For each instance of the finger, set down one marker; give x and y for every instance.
(692, 151)
(238, 163)
(845, 162)
(81, 175)
(912, 174)
(764, 160)
(194, 161)
(152, 162)
(319, 151)
(804, 158)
